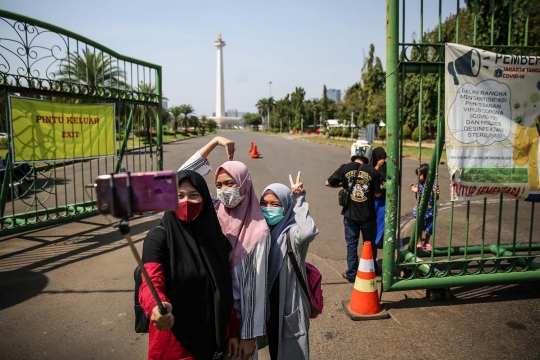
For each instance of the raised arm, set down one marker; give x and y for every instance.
(221, 141)
(305, 230)
(198, 162)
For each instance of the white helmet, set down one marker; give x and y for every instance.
(361, 148)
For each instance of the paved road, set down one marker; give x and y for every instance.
(66, 291)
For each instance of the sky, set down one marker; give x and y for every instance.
(291, 43)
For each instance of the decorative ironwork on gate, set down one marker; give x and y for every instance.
(42, 61)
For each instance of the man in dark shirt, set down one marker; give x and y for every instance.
(359, 215)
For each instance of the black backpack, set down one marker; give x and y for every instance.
(141, 321)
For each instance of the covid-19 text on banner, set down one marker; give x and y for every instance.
(51, 131)
(492, 123)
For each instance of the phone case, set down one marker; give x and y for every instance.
(150, 191)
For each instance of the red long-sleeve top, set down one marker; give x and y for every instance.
(162, 345)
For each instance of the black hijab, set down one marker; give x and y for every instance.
(197, 274)
(378, 154)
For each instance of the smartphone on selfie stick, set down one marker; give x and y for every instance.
(121, 195)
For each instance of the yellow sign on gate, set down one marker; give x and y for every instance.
(51, 131)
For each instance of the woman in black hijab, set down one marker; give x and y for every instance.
(378, 161)
(187, 258)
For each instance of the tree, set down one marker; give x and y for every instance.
(194, 122)
(91, 68)
(501, 19)
(186, 110)
(176, 113)
(324, 105)
(253, 120)
(415, 136)
(382, 133)
(373, 86)
(282, 110)
(166, 117)
(211, 125)
(203, 121)
(297, 102)
(265, 107)
(271, 104)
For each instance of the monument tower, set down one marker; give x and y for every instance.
(220, 90)
(220, 117)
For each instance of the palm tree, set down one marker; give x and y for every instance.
(194, 122)
(203, 120)
(186, 110)
(91, 68)
(175, 112)
(271, 103)
(262, 106)
(265, 107)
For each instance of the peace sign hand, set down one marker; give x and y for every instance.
(297, 188)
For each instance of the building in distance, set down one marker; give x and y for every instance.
(334, 94)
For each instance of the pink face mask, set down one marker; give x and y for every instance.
(188, 211)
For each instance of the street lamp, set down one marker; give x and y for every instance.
(270, 84)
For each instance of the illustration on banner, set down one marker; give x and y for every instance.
(492, 123)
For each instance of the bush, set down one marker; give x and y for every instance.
(382, 133)
(274, 130)
(415, 134)
(406, 134)
(168, 132)
(144, 133)
(325, 131)
(202, 131)
(346, 133)
(338, 132)
(355, 134)
(333, 132)
(119, 137)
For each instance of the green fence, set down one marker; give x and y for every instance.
(42, 61)
(490, 241)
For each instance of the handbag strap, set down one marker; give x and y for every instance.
(296, 267)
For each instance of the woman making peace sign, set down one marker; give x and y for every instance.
(286, 211)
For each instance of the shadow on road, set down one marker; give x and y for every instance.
(20, 285)
(473, 295)
(22, 272)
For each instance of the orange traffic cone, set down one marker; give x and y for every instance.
(254, 153)
(364, 304)
(251, 149)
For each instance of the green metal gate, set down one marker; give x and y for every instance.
(484, 252)
(42, 61)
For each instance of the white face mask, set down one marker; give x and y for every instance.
(231, 197)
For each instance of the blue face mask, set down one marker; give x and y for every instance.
(272, 215)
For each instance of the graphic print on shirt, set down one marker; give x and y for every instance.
(361, 187)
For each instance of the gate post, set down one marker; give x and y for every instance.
(392, 144)
(159, 119)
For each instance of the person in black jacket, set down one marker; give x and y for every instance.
(359, 215)
(378, 161)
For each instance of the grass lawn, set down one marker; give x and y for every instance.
(408, 151)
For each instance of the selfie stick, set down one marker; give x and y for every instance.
(123, 226)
